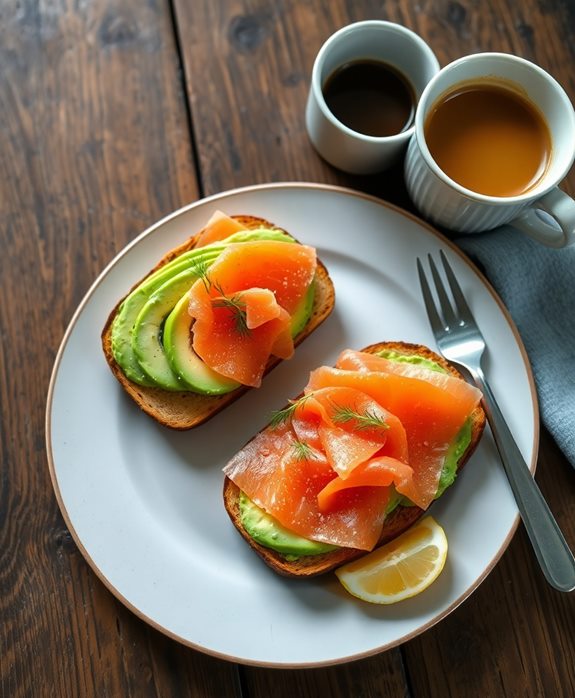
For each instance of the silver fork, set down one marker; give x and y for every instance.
(460, 341)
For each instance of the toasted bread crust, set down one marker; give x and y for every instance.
(395, 524)
(185, 410)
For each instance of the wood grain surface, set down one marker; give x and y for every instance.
(113, 115)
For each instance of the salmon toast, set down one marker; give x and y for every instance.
(355, 460)
(213, 317)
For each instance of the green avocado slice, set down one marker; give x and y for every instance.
(125, 320)
(147, 333)
(302, 314)
(269, 531)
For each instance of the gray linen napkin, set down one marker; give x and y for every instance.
(537, 285)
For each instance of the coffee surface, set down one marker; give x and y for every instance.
(489, 139)
(370, 97)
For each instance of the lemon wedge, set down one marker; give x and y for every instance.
(399, 569)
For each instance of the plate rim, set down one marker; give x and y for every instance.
(336, 189)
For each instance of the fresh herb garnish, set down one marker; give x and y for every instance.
(280, 417)
(238, 309)
(233, 303)
(302, 450)
(201, 269)
(367, 419)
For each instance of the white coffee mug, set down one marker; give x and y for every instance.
(544, 212)
(391, 43)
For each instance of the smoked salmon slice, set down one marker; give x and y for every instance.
(219, 227)
(327, 469)
(290, 470)
(353, 427)
(277, 477)
(377, 472)
(223, 339)
(242, 306)
(432, 407)
(362, 361)
(261, 306)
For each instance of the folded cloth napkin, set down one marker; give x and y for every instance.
(537, 285)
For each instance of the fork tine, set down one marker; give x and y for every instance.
(444, 302)
(458, 297)
(434, 319)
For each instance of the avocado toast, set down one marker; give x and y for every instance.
(147, 337)
(292, 554)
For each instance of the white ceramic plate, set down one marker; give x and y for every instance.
(144, 503)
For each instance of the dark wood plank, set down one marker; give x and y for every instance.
(249, 128)
(377, 676)
(94, 147)
(247, 81)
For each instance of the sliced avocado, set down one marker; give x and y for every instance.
(184, 361)
(454, 453)
(410, 359)
(268, 532)
(302, 314)
(147, 333)
(123, 323)
(188, 366)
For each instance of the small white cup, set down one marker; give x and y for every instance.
(544, 212)
(391, 43)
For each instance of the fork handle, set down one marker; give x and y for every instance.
(555, 558)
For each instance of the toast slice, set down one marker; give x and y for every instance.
(185, 410)
(398, 521)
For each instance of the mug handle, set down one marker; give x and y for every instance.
(549, 220)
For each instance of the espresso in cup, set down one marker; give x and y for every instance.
(489, 138)
(371, 97)
(366, 81)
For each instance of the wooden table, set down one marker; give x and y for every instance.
(113, 115)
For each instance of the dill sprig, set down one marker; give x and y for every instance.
(233, 303)
(201, 269)
(280, 417)
(238, 309)
(367, 419)
(302, 450)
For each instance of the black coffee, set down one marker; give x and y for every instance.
(370, 97)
